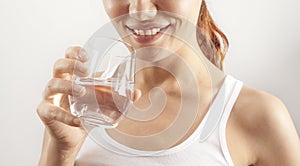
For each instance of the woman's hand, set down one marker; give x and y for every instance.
(63, 132)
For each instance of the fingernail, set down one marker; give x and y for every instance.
(76, 121)
(78, 89)
(82, 55)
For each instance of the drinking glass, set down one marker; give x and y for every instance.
(109, 85)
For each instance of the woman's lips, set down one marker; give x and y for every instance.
(147, 35)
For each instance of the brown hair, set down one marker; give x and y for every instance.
(210, 37)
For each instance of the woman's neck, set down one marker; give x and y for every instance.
(176, 65)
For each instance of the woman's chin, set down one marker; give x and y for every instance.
(152, 54)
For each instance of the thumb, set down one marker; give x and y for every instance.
(136, 95)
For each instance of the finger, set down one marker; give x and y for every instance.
(57, 85)
(70, 66)
(136, 94)
(50, 113)
(64, 102)
(76, 53)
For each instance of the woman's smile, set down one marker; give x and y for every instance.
(147, 33)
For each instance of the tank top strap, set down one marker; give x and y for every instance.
(221, 105)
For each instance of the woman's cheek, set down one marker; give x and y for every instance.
(115, 8)
(187, 9)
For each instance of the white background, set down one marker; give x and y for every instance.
(264, 37)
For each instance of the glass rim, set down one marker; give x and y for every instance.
(132, 49)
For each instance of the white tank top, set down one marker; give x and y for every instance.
(206, 146)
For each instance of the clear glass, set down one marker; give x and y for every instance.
(109, 84)
(180, 92)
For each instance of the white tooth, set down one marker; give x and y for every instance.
(156, 30)
(153, 31)
(148, 32)
(141, 32)
(136, 31)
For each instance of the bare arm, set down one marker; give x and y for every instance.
(52, 155)
(55, 154)
(277, 140)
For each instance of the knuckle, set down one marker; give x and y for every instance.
(42, 110)
(66, 87)
(69, 50)
(58, 62)
(72, 52)
(39, 109)
(58, 65)
(55, 85)
(52, 114)
(51, 84)
(49, 89)
(64, 66)
(80, 69)
(45, 94)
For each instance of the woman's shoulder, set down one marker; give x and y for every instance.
(255, 104)
(258, 109)
(263, 120)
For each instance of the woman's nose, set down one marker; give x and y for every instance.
(142, 10)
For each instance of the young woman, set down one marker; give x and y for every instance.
(243, 126)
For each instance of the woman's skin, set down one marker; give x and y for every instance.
(259, 130)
